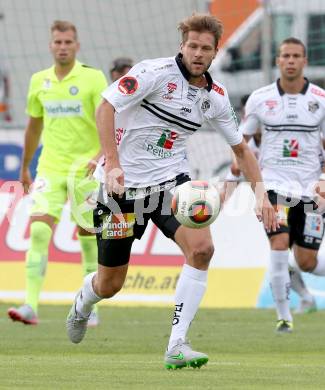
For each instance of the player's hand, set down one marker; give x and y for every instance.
(91, 166)
(265, 213)
(114, 178)
(26, 179)
(226, 191)
(319, 197)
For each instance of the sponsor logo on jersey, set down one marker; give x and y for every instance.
(292, 102)
(292, 117)
(218, 89)
(163, 147)
(191, 93)
(128, 85)
(205, 105)
(163, 67)
(313, 106)
(282, 214)
(142, 192)
(73, 90)
(117, 226)
(119, 135)
(233, 114)
(314, 225)
(290, 148)
(271, 104)
(167, 139)
(63, 108)
(317, 92)
(171, 87)
(185, 111)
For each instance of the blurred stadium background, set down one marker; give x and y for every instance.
(146, 29)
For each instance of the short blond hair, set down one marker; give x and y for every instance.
(201, 23)
(62, 26)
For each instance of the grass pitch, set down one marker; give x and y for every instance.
(126, 352)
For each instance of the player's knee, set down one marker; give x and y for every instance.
(279, 243)
(307, 264)
(40, 235)
(108, 290)
(202, 251)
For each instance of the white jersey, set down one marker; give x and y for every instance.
(156, 110)
(292, 127)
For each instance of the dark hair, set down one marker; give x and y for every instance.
(243, 100)
(120, 63)
(291, 40)
(62, 26)
(201, 23)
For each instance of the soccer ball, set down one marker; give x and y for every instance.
(196, 204)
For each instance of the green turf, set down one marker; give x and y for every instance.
(126, 352)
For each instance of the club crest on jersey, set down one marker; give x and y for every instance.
(313, 106)
(205, 105)
(47, 83)
(73, 90)
(128, 85)
(40, 185)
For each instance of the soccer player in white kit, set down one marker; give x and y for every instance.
(155, 107)
(291, 114)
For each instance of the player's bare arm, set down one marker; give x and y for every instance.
(32, 137)
(91, 166)
(248, 164)
(114, 176)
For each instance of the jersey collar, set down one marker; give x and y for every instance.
(73, 72)
(303, 91)
(187, 75)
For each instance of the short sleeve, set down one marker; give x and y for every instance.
(250, 123)
(132, 88)
(99, 86)
(226, 121)
(34, 106)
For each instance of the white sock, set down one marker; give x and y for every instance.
(280, 283)
(320, 267)
(292, 261)
(297, 282)
(190, 290)
(88, 297)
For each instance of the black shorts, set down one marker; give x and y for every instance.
(119, 221)
(299, 219)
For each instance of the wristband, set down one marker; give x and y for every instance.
(322, 176)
